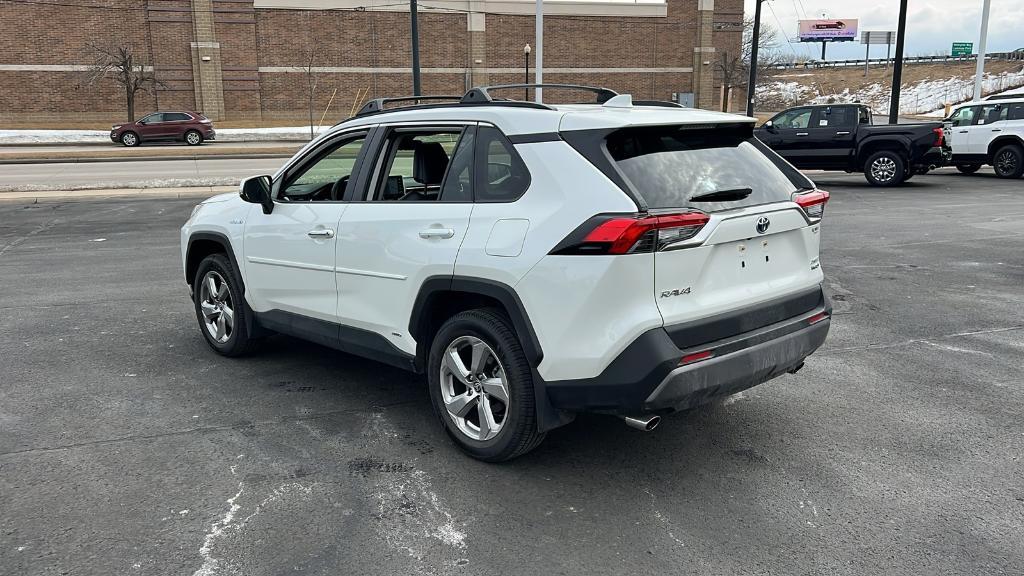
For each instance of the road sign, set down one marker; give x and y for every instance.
(962, 49)
(877, 37)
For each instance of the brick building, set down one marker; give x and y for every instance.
(251, 59)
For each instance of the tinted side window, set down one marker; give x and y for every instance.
(156, 117)
(414, 165)
(458, 183)
(175, 116)
(1016, 111)
(327, 177)
(501, 174)
(836, 116)
(989, 114)
(797, 118)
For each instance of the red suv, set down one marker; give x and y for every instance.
(190, 127)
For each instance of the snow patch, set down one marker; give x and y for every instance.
(217, 529)
(300, 133)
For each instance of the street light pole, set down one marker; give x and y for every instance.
(979, 72)
(415, 33)
(897, 67)
(538, 60)
(752, 79)
(526, 80)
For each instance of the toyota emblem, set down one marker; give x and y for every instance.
(762, 224)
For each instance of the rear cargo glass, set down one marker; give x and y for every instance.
(669, 165)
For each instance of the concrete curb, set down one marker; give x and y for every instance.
(71, 160)
(185, 192)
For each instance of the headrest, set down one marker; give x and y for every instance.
(429, 162)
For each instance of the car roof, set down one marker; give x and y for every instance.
(513, 120)
(987, 102)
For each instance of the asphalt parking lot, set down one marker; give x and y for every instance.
(127, 447)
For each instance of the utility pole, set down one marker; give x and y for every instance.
(415, 49)
(979, 73)
(752, 79)
(538, 59)
(897, 67)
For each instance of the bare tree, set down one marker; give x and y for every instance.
(733, 72)
(768, 52)
(312, 78)
(118, 61)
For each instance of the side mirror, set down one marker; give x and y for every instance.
(769, 126)
(256, 189)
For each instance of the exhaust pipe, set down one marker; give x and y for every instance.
(643, 423)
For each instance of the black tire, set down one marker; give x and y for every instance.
(1008, 161)
(238, 341)
(193, 138)
(130, 138)
(968, 168)
(885, 168)
(518, 431)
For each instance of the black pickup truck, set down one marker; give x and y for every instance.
(842, 137)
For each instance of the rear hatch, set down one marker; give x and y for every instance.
(756, 244)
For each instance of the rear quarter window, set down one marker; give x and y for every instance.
(669, 166)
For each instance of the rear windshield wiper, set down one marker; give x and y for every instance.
(723, 195)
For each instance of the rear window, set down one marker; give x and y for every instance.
(669, 166)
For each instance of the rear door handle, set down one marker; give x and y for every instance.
(321, 233)
(997, 129)
(842, 133)
(963, 131)
(801, 133)
(437, 233)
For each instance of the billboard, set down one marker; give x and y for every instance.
(828, 30)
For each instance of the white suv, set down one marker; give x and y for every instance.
(536, 261)
(988, 132)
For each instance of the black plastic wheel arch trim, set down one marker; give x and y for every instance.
(225, 243)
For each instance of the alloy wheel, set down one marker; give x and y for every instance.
(1006, 163)
(192, 138)
(215, 303)
(474, 388)
(883, 169)
(128, 139)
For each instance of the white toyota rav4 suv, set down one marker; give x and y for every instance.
(535, 261)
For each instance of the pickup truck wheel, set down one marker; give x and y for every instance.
(968, 168)
(1009, 161)
(481, 386)
(885, 168)
(221, 308)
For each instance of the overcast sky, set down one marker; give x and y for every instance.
(932, 25)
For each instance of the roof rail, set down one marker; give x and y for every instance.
(1004, 96)
(482, 93)
(661, 103)
(377, 104)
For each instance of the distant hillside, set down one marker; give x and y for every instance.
(926, 87)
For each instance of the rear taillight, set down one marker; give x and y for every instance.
(939, 136)
(632, 234)
(812, 203)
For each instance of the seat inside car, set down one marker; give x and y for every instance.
(429, 163)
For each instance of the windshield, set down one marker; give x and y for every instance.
(671, 165)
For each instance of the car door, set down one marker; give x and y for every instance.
(833, 134)
(408, 227)
(988, 124)
(290, 253)
(174, 125)
(961, 123)
(788, 135)
(150, 126)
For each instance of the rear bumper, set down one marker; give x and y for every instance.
(934, 156)
(647, 378)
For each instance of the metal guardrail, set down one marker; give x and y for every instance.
(1016, 55)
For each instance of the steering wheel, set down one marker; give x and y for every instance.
(338, 189)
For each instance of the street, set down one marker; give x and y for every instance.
(128, 447)
(138, 173)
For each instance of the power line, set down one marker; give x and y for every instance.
(786, 36)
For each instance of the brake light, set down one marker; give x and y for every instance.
(632, 234)
(939, 136)
(812, 203)
(817, 318)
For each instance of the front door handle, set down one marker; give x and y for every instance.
(321, 233)
(801, 133)
(842, 133)
(963, 131)
(997, 129)
(437, 233)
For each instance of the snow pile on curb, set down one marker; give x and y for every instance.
(285, 133)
